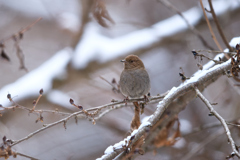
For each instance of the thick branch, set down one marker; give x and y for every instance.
(202, 79)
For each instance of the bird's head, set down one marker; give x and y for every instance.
(133, 62)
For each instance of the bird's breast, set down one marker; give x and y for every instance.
(134, 83)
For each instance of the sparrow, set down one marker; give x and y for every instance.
(134, 79)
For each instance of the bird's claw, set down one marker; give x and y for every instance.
(126, 100)
(146, 99)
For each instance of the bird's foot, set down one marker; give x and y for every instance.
(126, 100)
(146, 99)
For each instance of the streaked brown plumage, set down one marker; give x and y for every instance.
(134, 79)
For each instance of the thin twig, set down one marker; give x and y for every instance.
(17, 106)
(191, 27)
(212, 51)
(201, 128)
(210, 29)
(201, 145)
(223, 122)
(26, 156)
(51, 111)
(30, 26)
(21, 31)
(212, 125)
(36, 102)
(113, 86)
(219, 27)
(232, 124)
(17, 38)
(20, 54)
(202, 55)
(95, 110)
(107, 111)
(64, 120)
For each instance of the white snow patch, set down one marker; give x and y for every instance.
(108, 150)
(42, 8)
(185, 127)
(180, 143)
(145, 119)
(144, 125)
(94, 46)
(30, 84)
(69, 21)
(234, 41)
(118, 145)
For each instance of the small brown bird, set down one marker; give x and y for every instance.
(134, 79)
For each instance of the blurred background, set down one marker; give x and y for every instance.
(78, 41)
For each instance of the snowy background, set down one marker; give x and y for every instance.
(66, 69)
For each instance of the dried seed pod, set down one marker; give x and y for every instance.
(9, 96)
(71, 101)
(4, 55)
(80, 107)
(41, 91)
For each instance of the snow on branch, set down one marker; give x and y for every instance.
(201, 79)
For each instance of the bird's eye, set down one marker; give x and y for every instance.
(131, 61)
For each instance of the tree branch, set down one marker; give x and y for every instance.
(191, 27)
(21, 31)
(117, 105)
(201, 79)
(219, 27)
(17, 37)
(209, 139)
(223, 122)
(212, 33)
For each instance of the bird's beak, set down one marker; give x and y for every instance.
(123, 60)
